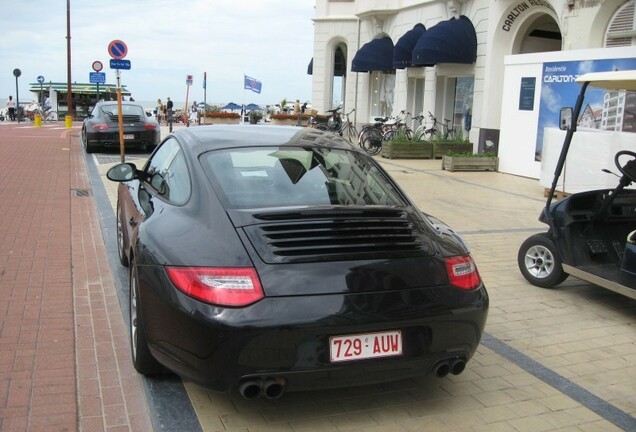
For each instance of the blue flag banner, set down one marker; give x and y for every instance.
(252, 84)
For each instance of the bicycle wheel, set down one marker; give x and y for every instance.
(52, 116)
(430, 134)
(351, 133)
(371, 141)
(389, 135)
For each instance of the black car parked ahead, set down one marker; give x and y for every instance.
(101, 127)
(270, 258)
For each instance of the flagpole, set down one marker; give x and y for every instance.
(243, 107)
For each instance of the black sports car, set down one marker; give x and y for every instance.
(101, 127)
(270, 258)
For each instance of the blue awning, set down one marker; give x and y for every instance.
(310, 67)
(403, 50)
(452, 41)
(376, 55)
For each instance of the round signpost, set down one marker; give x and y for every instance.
(118, 50)
(97, 66)
(16, 73)
(41, 80)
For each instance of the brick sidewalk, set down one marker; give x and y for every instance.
(64, 356)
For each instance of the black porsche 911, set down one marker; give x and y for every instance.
(101, 127)
(269, 258)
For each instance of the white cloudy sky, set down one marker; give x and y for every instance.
(270, 40)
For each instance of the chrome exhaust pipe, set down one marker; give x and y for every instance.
(250, 389)
(442, 369)
(273, 389)
(457, 366)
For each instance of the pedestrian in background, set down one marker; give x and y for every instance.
(297, 110)
(169, 106)
(159, 111)
(11, 108)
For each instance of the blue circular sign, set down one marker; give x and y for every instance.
(117, 49)
(40, 79)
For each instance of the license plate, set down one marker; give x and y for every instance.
(365, 346)
(129, 136)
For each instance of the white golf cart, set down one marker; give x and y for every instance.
(592, 234)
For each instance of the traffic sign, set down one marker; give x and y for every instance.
(97, 66)
(189, 80)
(97, 77)
(40, 79)
(17, 72)
(119, 64)
(117, 49)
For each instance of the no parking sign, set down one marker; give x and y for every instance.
(117, 49)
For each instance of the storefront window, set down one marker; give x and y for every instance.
(463, 106)
(382, 90)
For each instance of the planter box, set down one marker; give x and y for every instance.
(221, 120)
(285, 122)
(407, 150)
(442, 148)
(463, 163)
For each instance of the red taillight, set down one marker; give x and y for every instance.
(100, 126)
(237, 286)
(462, 272)
(150, 126)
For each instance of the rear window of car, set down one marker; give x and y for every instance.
(293, 176)
(127, 110)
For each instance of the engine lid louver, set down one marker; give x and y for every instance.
(337, 235)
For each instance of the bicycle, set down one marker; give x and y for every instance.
(418, 133)
(335, 124)
(48, 115)
(433, 133)
(370, 138)
(399, 128)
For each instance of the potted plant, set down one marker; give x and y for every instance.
(442, 146)
(255, 116)
(400, 147)
(468, 161)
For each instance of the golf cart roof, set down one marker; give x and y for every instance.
(615, 80)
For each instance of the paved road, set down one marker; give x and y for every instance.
(551, 360)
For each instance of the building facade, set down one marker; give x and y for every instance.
(455, 68)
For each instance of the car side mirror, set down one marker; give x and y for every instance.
(565, 118)
(122, 172)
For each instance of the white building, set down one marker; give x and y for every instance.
(457, 66)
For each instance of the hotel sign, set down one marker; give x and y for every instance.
(522, 7)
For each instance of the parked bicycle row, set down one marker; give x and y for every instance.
(371, 136)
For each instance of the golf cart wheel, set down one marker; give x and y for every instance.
(539, 261)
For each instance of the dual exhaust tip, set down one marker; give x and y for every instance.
(271, 388)
(454, 366)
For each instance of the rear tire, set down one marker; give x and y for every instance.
(88, 147)
(540, 262)
(142, 358)
(121, 238)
